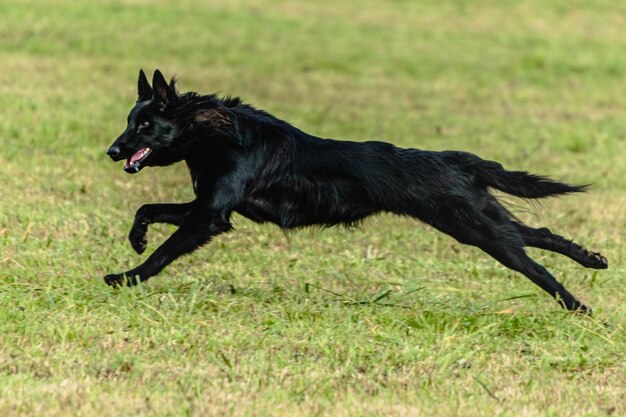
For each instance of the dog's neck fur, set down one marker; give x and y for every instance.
(228, 117)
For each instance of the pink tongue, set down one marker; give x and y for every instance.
(138, 155)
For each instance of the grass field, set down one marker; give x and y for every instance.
(390, 319)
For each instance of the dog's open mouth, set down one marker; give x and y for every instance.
(133, 164)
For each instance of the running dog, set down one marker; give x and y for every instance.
(247, 161)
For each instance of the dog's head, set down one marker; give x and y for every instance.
(152, 132)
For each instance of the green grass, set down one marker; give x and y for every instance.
(391, 319)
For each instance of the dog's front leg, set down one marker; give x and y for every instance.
(155, 213)
(196, 229)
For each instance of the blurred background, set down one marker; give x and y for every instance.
(536, 85)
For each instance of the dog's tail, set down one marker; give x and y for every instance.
(518, 183)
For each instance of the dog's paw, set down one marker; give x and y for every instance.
(114, 280)
(138, 240)
(118, 280)
(596, 260)
(583, 310)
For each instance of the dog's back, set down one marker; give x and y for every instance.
(327, 182)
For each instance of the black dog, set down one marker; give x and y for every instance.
(247, 161)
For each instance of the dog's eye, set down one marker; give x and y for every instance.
(143, 125)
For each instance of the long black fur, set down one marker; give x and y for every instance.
(247, 161)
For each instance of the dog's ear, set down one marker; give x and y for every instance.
(163, 93)
(144, 91)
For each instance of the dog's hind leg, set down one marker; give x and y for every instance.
(154, 213)
(543, 238)
(516, 259)
(502, 241)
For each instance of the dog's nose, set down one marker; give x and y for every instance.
(113, 151)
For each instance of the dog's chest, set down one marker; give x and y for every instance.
(194, 181)
(195, 171)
